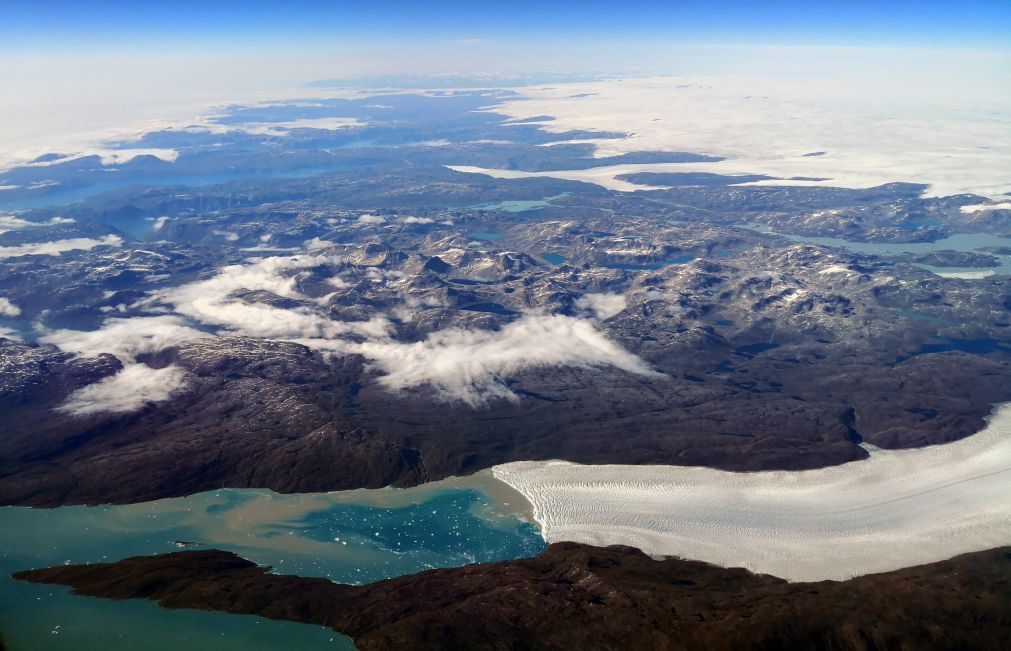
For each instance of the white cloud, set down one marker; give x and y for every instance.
(371, 219)
(125, 338)
(462, 365)
(228, 235)
(469, 366)
(418, 220)
(316, 243)
(59, 246)
(11, 223)
(602, 306)
(131, 389)
(159, 223)
(986, 207)
(210, 302)
(7, 308)
(9, 333)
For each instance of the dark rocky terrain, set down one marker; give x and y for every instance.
(786, 369)
(229, 313)
(772, 355)
(580, 597)
(765, 353)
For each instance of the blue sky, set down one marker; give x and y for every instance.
(302, 24)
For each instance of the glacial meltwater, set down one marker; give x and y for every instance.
(516, 206)
(349, 537)
(962, 242)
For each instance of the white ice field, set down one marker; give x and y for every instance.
(896, 509)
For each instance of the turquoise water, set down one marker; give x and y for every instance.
(486, 235)
(351, 537)
(515, 206)
(957, 242)
(554, 258)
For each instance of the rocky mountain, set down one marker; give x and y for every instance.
(576, 596)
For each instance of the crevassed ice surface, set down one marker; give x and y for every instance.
(895, 509)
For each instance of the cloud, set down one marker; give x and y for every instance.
(136, 384)
(602, 306)
(59, 246)
(211, 302)
(228, 235)
(417, 220)
(7, 308)
(470, 366)
(159, 223)
(371, 219)
(986, 207)
(125, 338)
(11, 223)
(9, 333)
(129, 390)
(316, 244)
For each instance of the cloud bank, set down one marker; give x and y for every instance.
(12, 223)
(211, 302)
(602, 306)
(127, 391)
(470, 365)
(7, 308)
(59, 246)
(125, 338)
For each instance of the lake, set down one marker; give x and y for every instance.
(967, 242)
(516, 206)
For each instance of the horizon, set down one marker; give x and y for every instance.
(107, 25)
